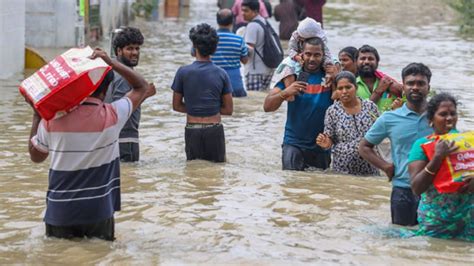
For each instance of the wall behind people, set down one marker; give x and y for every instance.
(114, 13)
(50, 23)
(12, 39)
(56, 23)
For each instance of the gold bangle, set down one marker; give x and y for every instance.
(429, 172)
(281, 95)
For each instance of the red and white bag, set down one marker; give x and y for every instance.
(457, 165)
(62, 84)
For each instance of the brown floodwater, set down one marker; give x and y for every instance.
(246, 211)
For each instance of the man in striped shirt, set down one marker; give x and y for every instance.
(231, 50)
(84, 175)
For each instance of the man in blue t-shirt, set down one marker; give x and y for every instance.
(307, 105)
(203, 92)
(403, 127)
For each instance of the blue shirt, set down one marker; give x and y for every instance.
(230, 49)
(305, 115)
(202, 84)
(403, 127)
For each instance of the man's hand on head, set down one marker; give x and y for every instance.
(99, 53)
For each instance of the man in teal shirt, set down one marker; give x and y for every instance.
(372, 84)
(403, 127)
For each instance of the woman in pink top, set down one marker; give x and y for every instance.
(239, 17)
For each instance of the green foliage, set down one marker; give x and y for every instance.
(144, 8)
(466, 10)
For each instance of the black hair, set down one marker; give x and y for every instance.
(204, 38)
(314, 41)
(346, 75)
(104, 84)
(127, 36)
(254, 5)
(369, 49)
(225, 17)
(436, 101)
(416, 69)
(351, 51)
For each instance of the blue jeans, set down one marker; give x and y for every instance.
(404, 206)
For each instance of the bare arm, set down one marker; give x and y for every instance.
(396, 89)
(251, 48)
(420, 179)
(386, 83)
(178, 103)
(421, 172)
(366, 151)
(276, 96)
(35, 155)
(140, 88)
(227, 104)
(244, 59)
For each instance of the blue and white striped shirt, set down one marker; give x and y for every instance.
(230, 49)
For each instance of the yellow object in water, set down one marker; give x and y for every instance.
(33, 60)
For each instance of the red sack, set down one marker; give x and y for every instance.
(456, 165)
(62, 84)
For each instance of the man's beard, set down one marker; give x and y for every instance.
(126, 62)
(366, 72)
(415, 100)
(305, 68)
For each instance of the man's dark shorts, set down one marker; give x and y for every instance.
(404, 206)
(294, 158)
(103, 230)
(205, 141)
(129, 152)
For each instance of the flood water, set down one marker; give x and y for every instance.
(246, 211)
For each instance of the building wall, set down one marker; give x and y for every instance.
(51, 23)
(12, 37)
(113, 14)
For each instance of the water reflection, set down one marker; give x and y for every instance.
(246, 211)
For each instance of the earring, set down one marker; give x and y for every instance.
(431, 124)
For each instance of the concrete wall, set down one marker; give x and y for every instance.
(51, 23)
(113, 14)
(12, 37)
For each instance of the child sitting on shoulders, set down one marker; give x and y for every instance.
(292, 65)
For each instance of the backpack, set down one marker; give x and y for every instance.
(272, 51)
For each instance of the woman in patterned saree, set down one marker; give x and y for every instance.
(345, 124)
(441, 215)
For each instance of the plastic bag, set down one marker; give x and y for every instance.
(456, 165)
(62, 84)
